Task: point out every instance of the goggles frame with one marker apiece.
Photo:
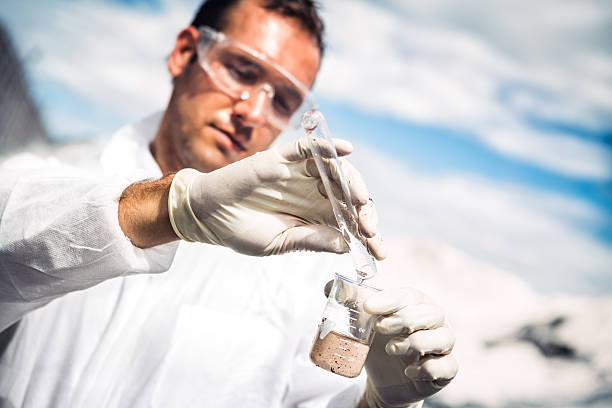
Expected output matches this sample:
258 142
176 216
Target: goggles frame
210 38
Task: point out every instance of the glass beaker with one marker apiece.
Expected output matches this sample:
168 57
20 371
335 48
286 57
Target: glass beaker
346 330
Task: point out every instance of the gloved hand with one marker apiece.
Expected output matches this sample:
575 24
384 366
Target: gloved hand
410 358
270 203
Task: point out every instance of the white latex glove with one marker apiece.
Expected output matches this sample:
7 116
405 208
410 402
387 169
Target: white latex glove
269 203
410 358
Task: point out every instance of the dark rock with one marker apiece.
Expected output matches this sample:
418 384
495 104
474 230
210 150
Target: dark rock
544 337
19 118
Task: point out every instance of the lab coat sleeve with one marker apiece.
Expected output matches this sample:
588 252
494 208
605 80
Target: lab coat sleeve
59 232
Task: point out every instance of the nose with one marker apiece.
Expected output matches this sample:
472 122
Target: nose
252 106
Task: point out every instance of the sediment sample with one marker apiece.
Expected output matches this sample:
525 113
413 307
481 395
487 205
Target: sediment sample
339 354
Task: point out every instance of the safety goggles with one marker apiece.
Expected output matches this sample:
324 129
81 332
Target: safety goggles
242 72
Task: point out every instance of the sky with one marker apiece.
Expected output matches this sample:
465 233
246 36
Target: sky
486 126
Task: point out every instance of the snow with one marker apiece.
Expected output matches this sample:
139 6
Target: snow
498 319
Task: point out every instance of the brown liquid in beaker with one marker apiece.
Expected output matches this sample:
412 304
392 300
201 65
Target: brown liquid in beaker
339 354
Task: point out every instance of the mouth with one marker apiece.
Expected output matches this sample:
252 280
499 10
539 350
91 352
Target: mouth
229 140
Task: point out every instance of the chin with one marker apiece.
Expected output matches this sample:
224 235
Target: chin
208 164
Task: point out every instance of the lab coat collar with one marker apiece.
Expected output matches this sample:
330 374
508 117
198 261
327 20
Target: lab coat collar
127 152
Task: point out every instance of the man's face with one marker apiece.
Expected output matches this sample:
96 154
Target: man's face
210 129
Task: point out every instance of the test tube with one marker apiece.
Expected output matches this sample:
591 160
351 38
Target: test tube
317 132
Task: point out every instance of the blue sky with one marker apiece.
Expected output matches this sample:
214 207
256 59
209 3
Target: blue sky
476 110
436 149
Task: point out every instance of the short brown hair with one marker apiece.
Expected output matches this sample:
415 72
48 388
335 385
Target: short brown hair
212 14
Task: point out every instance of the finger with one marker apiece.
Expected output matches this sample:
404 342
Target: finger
356 185
437 371
391 300
423 342
335 189
411 318
318 238
300 149
370 222
368 219
435 341
326 149
377 247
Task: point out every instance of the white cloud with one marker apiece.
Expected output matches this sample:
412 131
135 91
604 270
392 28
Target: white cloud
449 62
533 234
542 237
107 53
558 151
487 308
431 62
430 72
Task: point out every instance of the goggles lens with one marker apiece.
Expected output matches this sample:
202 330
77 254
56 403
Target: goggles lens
243 73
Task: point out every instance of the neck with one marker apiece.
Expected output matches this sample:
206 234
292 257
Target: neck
162 149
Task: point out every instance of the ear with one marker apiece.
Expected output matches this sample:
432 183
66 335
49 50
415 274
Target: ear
184 49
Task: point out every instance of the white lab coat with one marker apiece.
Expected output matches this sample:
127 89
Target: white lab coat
218 329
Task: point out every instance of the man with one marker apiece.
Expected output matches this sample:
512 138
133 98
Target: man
219 328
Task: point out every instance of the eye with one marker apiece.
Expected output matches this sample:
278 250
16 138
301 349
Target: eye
243 70
286 102
281 105
245 76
